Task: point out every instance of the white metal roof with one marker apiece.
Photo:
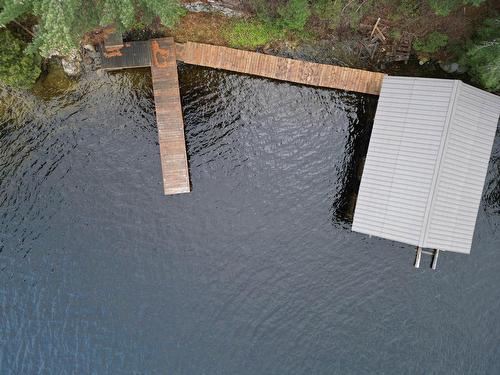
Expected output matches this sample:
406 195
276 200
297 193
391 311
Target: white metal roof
426 164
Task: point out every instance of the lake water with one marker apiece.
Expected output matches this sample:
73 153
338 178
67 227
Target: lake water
255 272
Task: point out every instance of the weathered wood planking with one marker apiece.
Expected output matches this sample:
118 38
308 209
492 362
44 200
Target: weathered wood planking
281 68
136 54
132 55
169 117
161 55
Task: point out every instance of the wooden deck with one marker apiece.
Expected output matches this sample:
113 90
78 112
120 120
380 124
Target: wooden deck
169 117
280 68
161 56
132 55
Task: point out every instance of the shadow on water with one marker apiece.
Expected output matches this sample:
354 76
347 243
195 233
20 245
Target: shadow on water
360 129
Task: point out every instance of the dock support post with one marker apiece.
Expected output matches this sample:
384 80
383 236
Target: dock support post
435 259
417 257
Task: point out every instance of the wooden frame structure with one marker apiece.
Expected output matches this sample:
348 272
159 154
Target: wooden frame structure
161 55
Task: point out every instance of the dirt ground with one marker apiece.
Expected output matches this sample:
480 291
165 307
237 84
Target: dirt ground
201 27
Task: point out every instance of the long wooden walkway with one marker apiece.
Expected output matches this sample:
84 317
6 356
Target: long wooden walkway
281 68
169 117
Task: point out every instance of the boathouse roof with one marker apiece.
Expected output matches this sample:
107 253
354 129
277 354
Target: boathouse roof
426 164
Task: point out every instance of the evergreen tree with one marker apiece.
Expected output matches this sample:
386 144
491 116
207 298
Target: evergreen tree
17 69
482 55
294 15
62 23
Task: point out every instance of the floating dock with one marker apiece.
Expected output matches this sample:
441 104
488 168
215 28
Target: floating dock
161 55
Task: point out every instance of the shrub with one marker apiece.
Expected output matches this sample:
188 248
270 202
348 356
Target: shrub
17 69
409 8
445 7
432 43
294 15
251 34
329 11
262 10
395 34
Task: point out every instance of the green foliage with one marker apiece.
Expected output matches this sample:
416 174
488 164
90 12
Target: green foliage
482 55
120 12
329 11
252 34
432 43
169 11
17 69
409 8
62 23
395 34
294 15
268 27
445 7
262 10
55 28
342 12
12 9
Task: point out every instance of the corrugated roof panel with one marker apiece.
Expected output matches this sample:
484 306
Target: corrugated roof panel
426 162
463 169
399 166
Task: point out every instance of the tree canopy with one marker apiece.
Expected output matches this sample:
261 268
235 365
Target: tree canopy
17 69
61 24
482 55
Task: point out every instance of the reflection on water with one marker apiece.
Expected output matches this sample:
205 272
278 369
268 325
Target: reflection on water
255 272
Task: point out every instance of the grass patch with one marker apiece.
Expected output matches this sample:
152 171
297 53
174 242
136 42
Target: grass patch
252 34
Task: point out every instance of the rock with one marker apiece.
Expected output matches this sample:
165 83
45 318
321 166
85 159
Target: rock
213 6
453 67
449 67
89 47
423 59
72 63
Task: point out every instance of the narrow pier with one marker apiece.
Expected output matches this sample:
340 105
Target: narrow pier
281 68
169 117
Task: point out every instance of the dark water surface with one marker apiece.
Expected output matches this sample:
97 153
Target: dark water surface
255 272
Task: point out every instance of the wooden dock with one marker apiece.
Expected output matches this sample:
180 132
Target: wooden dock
169 117
281 68
132 55
161 56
